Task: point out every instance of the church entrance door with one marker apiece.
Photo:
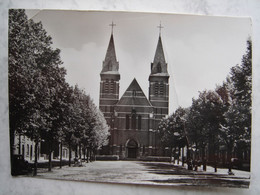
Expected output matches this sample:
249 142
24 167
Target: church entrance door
132 147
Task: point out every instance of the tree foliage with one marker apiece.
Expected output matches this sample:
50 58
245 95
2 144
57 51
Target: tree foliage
172 129
217 118
236 130
42 105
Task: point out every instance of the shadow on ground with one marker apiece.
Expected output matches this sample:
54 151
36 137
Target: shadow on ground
195 178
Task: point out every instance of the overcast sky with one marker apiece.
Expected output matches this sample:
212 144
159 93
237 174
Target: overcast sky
199 50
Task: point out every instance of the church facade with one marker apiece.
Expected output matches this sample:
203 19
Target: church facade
134 119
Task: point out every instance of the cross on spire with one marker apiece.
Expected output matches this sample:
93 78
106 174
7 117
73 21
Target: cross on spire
112 26
160 27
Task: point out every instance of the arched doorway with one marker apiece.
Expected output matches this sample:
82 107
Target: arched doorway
132 147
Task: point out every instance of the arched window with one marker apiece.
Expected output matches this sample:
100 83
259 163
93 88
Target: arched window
112 87
156 88
106 86
139 122
161 90
127 122
133 121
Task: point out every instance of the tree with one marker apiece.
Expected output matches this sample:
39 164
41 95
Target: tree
236 129
206 115
241 77
35 77
172 130
96 135
87 127
196 129
42 104
20 73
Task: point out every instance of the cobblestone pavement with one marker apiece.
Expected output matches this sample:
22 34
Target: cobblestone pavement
138 172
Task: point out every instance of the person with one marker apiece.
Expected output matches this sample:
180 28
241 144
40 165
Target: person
195 165
204 164
189 162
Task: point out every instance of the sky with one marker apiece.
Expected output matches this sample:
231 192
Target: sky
199 50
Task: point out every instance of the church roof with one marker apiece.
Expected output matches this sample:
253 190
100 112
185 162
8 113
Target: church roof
159 65
134 96
110 64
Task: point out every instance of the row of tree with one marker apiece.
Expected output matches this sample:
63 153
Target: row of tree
42 105
218 119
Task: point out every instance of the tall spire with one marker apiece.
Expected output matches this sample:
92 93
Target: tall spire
159 54
110 63
159 64
159 83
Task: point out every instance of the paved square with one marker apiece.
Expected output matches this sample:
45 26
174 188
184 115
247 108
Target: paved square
153 173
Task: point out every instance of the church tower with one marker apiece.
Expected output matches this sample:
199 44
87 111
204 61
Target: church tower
109 84
158 84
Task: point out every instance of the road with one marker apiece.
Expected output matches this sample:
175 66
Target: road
151 173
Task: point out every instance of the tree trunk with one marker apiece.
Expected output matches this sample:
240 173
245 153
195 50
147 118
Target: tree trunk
61 154
174 155
84 153
178 160
69 153
229 160
80 150
87 155
50 151
215 163
90 155
182 156
215 157
35 158
171 154
204 160
94 154
19 152
76 151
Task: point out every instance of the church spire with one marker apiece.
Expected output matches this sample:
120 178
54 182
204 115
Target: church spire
159 64
110 63
159 54
159 82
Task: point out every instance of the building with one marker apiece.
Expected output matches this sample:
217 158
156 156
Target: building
26 147
133 119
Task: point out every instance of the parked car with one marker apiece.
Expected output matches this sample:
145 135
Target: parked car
20 166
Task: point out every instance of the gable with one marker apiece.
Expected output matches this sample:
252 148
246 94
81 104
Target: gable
134 96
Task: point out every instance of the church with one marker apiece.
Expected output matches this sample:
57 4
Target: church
134 119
